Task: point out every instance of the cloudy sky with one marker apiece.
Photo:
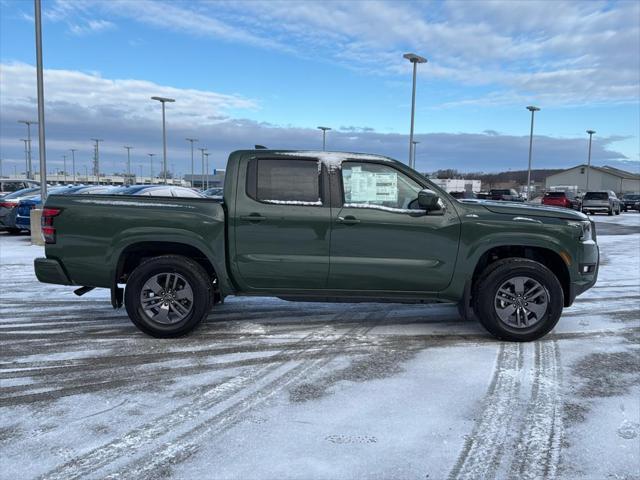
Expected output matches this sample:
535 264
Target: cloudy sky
270 72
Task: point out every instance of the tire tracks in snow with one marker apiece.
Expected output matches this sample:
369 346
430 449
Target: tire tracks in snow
537 454
506 444
483 449
144 436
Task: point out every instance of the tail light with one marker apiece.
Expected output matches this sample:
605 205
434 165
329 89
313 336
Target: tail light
48 230
7 205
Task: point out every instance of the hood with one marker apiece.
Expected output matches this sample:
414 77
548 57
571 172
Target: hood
509 208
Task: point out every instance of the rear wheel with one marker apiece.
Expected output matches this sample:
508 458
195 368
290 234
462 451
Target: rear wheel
518 299
13 231
168 296
610 212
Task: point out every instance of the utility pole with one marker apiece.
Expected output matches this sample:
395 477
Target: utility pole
206 162
590 132
64 166
415 60
191 140
533 110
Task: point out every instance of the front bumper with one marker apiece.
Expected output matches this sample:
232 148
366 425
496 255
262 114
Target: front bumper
49 270
581 282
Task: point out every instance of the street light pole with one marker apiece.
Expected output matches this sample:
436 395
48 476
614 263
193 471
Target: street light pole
191 140
28 123
26 157
151 167
533 110
73 163
202 150
164 100
42 150
96 158
590 132
413 160
64 166
415 60
128 163
206 163
324 136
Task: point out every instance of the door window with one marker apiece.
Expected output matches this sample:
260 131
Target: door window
377 186
294 182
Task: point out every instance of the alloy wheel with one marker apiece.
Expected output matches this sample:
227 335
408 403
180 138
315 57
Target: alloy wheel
166 298
521 302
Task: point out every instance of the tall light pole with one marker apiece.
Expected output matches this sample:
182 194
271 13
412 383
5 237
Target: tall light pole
128 163
191 140
28 123
415 60
64 166
164 100
413 160
590 132
324 137
73 163
140 167
26 156
151 167
42 150
202 150
96 158
206 163
533 110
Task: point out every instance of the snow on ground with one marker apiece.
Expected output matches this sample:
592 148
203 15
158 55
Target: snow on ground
271 389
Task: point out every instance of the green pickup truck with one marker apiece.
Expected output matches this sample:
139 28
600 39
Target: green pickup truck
321 226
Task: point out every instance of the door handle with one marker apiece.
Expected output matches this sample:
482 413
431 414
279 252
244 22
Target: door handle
348 220
253 218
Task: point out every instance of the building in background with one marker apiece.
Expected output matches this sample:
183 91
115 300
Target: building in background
600 178
214 180
457 184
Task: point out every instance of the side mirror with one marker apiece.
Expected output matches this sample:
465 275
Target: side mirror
428 200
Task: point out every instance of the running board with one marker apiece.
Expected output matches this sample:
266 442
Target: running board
82 290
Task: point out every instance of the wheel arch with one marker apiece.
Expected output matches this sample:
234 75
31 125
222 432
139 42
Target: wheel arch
546 256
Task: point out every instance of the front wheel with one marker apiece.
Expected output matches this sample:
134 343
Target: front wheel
168 296
518 299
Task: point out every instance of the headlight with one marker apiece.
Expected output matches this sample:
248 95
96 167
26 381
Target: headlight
585 230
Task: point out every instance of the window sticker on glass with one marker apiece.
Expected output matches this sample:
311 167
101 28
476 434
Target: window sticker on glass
373 187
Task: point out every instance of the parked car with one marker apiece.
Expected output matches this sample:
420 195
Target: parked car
328 226
630 201
8 205
561 199
10 186
463 195
215 192
601 202
505 195
157 191
23 210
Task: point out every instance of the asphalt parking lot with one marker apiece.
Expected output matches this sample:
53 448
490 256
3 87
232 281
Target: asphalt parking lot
270 389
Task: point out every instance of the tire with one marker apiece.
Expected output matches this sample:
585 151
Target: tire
610 212
14 231
486 299
180 316
618 211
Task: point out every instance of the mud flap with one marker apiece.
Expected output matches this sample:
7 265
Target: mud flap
117 296
464 306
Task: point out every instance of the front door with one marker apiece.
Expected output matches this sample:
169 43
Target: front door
282 225
380 240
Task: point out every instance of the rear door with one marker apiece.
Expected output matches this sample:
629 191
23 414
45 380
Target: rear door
381 240
282 224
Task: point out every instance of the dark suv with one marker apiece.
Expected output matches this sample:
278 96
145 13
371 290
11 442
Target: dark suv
630 201
561 199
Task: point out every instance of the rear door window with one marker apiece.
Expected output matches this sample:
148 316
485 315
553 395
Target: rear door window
295 182
596 196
